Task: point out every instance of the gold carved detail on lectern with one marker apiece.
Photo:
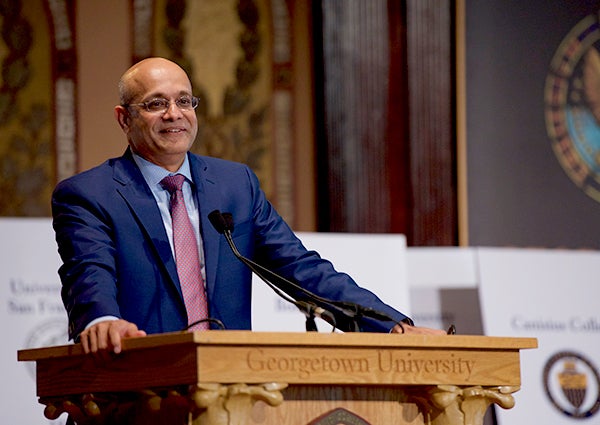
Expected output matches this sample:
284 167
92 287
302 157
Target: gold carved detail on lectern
231 404
450 404
206 404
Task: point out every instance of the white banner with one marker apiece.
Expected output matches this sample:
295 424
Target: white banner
376 262
443 284
552 295
32 313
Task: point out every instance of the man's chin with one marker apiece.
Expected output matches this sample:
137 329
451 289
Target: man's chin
177 145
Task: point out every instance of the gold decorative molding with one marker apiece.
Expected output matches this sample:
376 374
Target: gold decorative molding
222 404
232 404
200 404
451 404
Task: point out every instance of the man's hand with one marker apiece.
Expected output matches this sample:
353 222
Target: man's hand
107 335
405 328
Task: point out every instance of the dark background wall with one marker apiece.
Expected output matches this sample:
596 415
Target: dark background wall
519 195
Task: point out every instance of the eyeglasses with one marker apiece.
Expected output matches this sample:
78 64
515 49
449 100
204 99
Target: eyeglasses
160 105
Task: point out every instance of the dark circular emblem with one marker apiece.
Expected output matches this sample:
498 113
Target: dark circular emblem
572 384
572 105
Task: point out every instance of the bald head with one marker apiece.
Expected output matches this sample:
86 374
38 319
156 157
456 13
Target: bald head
147 71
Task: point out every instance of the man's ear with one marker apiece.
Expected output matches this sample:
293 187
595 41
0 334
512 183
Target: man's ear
122 116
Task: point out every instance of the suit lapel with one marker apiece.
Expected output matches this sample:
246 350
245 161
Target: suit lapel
132 187
209 199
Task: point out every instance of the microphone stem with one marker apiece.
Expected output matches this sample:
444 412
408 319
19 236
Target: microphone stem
350 311
306 308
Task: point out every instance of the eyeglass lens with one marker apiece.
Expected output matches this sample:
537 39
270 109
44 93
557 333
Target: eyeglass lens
161 105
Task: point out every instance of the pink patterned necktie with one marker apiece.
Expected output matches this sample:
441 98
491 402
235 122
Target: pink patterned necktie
186 254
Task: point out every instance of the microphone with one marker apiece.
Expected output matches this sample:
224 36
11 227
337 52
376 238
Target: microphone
314 306
223 223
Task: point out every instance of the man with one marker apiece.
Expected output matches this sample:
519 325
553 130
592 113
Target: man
115 233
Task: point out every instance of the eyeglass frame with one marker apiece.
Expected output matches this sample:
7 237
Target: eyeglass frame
194 104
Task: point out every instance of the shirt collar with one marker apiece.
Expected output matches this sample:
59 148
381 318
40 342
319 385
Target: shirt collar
153 173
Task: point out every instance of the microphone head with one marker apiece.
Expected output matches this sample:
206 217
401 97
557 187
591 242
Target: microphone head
218 221
228 217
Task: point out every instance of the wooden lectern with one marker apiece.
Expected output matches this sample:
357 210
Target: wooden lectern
252 378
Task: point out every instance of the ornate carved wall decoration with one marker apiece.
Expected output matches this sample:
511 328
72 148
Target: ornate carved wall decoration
37 103
37 87
237 53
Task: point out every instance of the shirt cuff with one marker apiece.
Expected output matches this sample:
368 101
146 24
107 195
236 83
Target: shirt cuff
100 319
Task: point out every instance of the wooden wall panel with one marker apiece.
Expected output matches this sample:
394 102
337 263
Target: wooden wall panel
355 101
432 129
387 134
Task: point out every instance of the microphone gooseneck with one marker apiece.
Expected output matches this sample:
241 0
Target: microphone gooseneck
311 304
209 320
223 223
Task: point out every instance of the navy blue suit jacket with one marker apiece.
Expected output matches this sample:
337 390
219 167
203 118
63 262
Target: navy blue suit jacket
117 259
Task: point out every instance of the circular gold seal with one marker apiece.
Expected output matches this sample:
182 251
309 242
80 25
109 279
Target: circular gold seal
572 384
572 105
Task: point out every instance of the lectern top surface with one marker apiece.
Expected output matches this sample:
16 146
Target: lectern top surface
315 339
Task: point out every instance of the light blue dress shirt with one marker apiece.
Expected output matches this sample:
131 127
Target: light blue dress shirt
153 174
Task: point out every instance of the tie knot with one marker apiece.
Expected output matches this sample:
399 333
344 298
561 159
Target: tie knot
173 183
